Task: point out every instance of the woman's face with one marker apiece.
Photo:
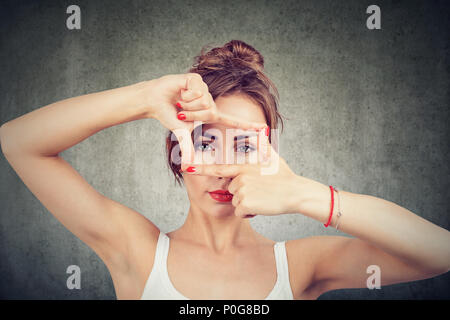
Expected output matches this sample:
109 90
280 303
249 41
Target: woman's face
219 144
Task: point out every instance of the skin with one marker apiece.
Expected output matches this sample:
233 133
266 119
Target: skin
218 224
213 240
215 254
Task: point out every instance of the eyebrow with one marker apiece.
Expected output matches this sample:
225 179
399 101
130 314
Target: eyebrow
239 137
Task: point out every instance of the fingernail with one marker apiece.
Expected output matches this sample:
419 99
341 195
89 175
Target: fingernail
267 131
178 105
249 216
181 116
190 169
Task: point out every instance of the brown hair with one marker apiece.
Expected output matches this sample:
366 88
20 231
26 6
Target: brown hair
234 68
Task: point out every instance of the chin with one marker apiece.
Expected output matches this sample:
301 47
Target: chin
218 209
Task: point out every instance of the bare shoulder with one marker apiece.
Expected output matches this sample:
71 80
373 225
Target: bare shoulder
303 255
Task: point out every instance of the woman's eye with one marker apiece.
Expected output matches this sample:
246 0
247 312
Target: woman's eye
245 148
204 147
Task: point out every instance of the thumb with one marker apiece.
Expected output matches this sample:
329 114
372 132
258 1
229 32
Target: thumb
187 82
269 157
217 170
191 90
194 81
183 136
190 95
264 145
236 122
242 212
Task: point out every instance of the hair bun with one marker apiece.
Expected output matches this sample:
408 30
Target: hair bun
235 54
234 68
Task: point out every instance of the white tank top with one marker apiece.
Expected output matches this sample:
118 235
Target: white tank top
159 286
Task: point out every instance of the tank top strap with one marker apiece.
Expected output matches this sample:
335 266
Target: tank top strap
283 269
162 250
281 259
161 255
159 286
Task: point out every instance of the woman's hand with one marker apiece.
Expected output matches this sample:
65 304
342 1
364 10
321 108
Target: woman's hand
162 95
267 188
197 104
192 94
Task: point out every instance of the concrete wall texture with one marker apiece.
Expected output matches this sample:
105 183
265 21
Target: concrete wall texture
368 112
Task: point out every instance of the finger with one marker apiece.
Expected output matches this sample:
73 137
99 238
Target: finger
269 155
263 145
194 82
201 115
272 154
236 122
234 185
271 161
200 103
216 170
267 151
235 201
189 95
188 81
186 145
241 211
187 151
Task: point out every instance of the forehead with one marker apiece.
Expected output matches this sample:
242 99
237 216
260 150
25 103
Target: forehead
240 106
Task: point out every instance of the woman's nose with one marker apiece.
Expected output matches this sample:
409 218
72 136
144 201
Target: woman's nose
228 155
224 178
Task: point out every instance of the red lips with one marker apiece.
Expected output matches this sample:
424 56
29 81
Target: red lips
221 195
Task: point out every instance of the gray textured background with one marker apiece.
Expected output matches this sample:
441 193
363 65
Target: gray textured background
368 110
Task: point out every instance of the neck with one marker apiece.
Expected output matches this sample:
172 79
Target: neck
218 233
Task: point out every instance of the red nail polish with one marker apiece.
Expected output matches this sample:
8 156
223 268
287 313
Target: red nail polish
181 116
190 169
249 216
267 131
178 105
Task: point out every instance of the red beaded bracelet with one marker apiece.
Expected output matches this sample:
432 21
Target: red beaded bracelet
332 207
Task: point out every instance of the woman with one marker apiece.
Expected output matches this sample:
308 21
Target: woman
216 254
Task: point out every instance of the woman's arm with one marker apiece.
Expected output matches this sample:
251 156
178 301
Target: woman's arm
405 246
31 144
52 129
123 238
